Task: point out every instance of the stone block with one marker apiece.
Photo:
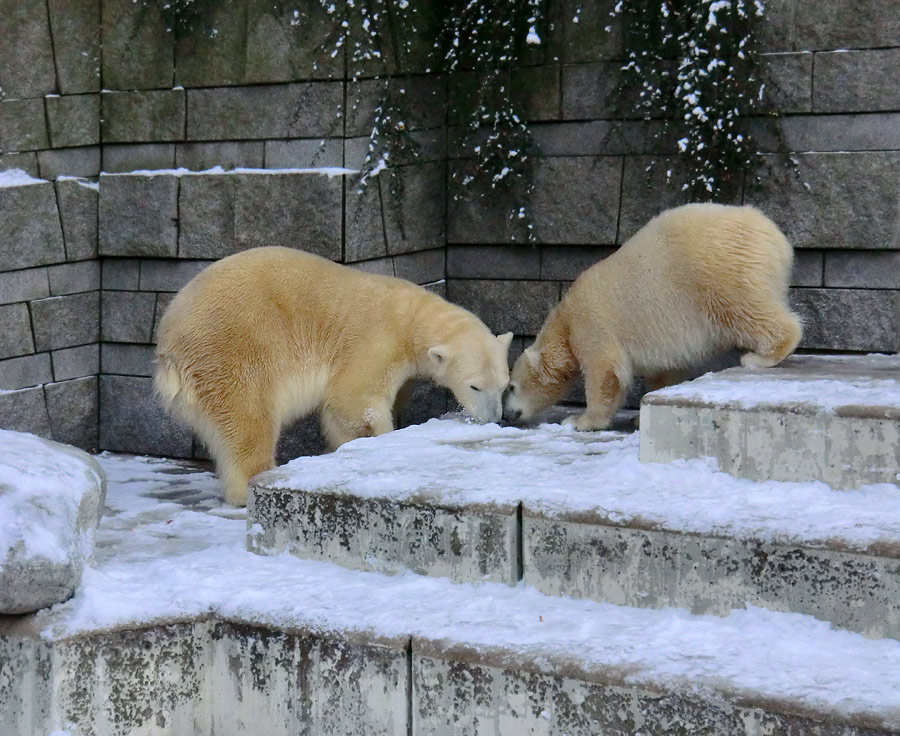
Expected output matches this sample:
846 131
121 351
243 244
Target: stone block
587 90
73 278
602 137
464 544
425 145
426 400
81 162
838 200
519 307
169 275
23 286
207 209
656 568
381 266
301 437
588 185
27 162
364 226
228 155
75 26
304 154
121 274
127 316
120 159
138 48
162 303
56 495
153 117
421 267
23 372
23 126
536 92
305 110
127 360
78 202
65 321
849 319
26 56
493 262
860 132
132 420
832 24
480 215
15 331
24 410
862 270
586 40
296 210
421 99
776 32
215 53
138 215
284 43
74 120
413 207
808 268
797 430
76 362
74 412
850 81
566 263
790 83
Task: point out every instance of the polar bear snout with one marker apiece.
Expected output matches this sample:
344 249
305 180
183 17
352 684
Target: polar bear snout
484 406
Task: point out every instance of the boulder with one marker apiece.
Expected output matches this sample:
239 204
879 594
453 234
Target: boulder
51 499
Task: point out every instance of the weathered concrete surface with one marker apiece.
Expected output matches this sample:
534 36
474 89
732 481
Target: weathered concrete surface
201 677
834 419
51 499
587 557
470 692
464 544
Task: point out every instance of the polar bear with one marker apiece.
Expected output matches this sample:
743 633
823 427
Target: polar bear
271 334
695 280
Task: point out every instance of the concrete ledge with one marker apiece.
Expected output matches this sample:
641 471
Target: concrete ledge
833 419
470 543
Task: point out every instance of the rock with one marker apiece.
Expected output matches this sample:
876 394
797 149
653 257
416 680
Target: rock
51 498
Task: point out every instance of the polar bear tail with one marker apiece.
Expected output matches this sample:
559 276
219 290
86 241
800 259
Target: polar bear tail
173 391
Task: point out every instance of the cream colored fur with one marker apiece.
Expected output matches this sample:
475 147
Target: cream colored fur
265 336
695 280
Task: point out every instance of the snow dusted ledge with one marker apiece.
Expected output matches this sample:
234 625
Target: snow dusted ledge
834 419
178 629
51 498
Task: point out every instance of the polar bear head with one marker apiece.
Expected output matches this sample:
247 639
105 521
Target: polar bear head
474 367
540 377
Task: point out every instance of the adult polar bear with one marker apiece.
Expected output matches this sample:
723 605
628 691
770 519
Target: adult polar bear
270 334
695 280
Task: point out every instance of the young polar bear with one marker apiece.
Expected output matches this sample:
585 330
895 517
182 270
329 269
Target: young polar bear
265 336
695 280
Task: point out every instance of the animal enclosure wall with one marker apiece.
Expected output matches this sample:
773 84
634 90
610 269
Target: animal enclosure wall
87 265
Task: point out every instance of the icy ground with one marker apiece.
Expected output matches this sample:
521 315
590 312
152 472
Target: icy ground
170 549
555 470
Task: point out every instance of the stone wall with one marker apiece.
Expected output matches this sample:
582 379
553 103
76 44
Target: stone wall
88 264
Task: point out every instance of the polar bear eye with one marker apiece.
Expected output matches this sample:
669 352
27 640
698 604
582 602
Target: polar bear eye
511 388
475 388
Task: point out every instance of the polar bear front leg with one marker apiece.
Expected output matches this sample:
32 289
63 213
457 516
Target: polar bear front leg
604 393
349 419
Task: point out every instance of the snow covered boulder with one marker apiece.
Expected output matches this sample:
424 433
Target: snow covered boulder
51 498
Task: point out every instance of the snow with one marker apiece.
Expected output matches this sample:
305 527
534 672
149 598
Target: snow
168 549
86 183
329 171
824 387
41 489
17 178
452 462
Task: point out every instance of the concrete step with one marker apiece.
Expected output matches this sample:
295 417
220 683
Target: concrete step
830 418
178 629
578 514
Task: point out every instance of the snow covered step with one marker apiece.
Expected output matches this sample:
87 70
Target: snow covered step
578 514
829 418
178 629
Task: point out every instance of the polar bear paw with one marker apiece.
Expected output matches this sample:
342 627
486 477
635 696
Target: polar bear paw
584 423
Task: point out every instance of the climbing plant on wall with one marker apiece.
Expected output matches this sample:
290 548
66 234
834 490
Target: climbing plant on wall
695 65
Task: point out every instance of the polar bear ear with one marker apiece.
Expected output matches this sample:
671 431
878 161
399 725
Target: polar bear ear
439 354
533 356
505 339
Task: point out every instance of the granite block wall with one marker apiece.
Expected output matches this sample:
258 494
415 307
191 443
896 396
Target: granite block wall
115 114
